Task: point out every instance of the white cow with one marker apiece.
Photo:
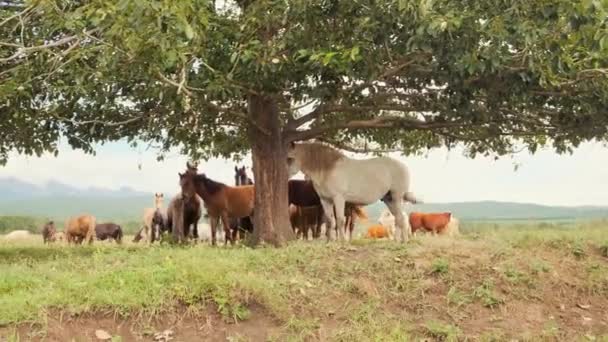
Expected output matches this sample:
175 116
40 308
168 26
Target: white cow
388 220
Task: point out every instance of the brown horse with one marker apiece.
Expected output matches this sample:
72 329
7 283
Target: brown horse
245 224
183 212
222 201
305 219
48 232
303 194
108 231
80 228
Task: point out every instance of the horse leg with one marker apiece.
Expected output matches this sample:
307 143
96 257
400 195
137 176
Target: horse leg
195 231
328 208
227 233
350 224
214 222
395 206
340 219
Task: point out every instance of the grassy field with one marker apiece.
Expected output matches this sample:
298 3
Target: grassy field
493 283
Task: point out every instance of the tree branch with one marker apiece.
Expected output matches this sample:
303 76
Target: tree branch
25 50
379 122
100 122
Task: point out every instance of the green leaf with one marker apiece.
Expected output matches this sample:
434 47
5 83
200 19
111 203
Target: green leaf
354 53
188 31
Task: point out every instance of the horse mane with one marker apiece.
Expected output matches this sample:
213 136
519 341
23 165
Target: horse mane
315 156
212 186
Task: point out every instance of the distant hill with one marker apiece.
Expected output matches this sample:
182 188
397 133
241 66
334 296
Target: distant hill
496 211
57 200
12 189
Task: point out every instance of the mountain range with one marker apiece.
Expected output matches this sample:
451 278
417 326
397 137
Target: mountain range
57 200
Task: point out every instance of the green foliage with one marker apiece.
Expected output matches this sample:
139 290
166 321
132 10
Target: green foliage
440 266
10 223
443 331
486 294
492 73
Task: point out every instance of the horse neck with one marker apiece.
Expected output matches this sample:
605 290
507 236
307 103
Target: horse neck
201 190
158 204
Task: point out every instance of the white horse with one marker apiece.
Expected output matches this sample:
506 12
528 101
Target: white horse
339 179
148 217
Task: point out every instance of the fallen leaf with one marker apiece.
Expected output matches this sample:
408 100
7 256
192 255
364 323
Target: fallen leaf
308 284
397 259
583 306
102 335
587 319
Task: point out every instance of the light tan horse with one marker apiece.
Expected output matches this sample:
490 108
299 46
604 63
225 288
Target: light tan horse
338 179
148 217
80 228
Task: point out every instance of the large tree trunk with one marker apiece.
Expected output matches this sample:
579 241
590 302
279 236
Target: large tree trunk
269 154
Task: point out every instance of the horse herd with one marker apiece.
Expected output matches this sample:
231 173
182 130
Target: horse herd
334 191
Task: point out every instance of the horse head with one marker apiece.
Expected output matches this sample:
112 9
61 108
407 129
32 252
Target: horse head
240 176
187 183
192 167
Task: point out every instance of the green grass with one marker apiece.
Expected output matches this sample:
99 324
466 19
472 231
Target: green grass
364 291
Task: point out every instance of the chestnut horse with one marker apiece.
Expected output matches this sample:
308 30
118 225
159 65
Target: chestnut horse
80 228
222 201
244 224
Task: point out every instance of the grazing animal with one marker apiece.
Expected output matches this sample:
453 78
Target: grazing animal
338 179
432 222
149 216
222 201
388 220
48 232
108 231
17 235
80 228
377 232
184 211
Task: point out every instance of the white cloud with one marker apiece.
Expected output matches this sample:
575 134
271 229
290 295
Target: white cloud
442 176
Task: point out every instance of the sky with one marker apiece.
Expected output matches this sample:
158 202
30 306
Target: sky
439 176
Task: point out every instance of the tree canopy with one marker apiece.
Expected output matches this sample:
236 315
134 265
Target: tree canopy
398 74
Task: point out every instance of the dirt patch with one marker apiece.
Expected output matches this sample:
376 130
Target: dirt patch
182 325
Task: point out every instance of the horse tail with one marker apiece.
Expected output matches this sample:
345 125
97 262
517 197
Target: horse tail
410 197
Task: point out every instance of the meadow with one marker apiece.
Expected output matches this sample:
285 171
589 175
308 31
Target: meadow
494 283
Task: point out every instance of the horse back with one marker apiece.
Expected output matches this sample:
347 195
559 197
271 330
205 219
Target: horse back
302 193
239 200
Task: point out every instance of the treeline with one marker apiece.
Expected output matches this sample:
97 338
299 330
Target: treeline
35 224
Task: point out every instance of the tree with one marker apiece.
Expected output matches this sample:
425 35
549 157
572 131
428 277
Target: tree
218 79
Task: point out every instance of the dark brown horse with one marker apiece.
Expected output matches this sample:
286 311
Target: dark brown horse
303 194
222 201
48 232
183 212
108 231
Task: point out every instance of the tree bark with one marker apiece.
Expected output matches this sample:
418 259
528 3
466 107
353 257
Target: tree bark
271 214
